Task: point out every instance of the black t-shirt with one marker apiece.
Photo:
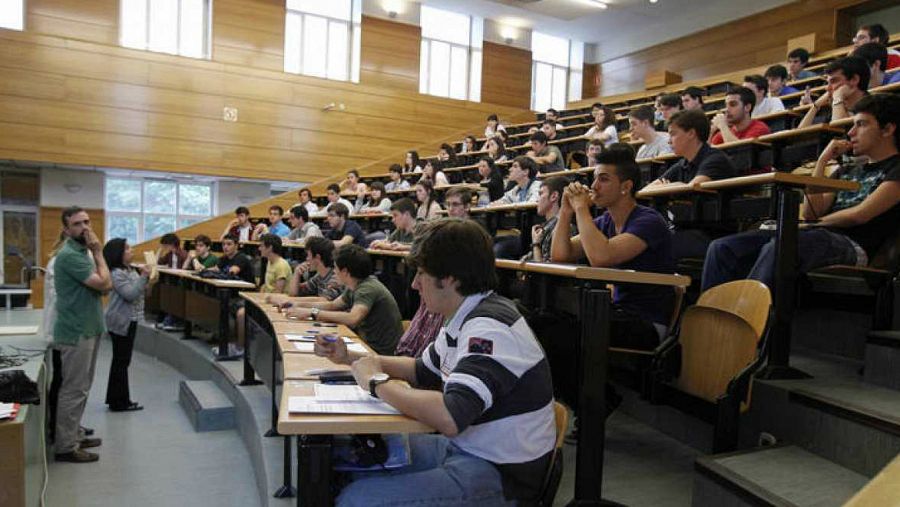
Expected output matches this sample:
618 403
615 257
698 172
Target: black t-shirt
352 229
872 234
241 261
709 162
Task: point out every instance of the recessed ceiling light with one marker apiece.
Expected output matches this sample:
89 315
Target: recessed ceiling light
598 3
653 1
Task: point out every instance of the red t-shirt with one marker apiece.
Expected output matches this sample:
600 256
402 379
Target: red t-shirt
755 129
893 59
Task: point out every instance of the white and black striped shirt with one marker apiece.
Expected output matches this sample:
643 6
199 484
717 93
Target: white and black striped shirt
497 387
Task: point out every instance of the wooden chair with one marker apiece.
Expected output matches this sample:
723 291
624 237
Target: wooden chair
554 471
718 348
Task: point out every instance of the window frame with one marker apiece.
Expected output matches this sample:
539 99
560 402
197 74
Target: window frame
207 31
471 85
352 25
143 213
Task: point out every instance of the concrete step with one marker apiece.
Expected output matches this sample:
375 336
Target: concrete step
772 476
883 359
208 408
846 420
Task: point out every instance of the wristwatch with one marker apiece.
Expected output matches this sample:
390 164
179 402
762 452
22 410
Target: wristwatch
375 381
314 313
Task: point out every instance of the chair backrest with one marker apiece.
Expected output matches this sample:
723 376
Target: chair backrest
748 299
554 471
888 255
720 336
676 310
715 347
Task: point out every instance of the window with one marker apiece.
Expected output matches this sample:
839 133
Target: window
450 64
12 14
556 71
322 39
178 27
139 210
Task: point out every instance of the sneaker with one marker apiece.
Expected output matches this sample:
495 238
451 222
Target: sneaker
130 407
90 442
175 328
77 456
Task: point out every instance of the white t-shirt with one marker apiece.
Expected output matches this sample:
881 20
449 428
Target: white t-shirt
767 106
659 146
610 131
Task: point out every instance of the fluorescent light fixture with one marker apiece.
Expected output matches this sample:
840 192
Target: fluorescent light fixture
598 3
393 7
508 33
653 1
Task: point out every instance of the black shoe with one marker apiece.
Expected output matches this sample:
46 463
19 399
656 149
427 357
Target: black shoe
77 456
131 407
87 431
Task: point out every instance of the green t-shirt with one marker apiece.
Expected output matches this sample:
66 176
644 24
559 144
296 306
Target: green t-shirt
382 327
275 271
79 312
210 261
398 235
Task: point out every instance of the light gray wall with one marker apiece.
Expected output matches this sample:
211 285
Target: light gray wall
55 194
232 194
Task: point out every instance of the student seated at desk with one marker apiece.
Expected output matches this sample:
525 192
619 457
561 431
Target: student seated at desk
604 127
240 226
688 132
427 206
491 179
522 174
796 62
366 306
351 183
275 226
777 76
322 286
691 98
301 226
876 56
306 201
412 163
594 148
552 115
278 272
764 105
547 157
667 105
877 33
736 122
548 207
484 385
493 127
549 128
170 255
851 225
333 194
496 149
432 172
640 119
343 230
848 80
459 202
233 261
375 203
626 236
201 257
403 214
397 182
447 156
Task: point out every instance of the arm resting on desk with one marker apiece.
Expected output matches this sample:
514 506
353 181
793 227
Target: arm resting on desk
601 251
422 405
885 197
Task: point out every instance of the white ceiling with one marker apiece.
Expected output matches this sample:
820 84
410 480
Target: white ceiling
626 26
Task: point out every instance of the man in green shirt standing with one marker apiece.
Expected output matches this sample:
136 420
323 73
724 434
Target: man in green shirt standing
80 281
366 306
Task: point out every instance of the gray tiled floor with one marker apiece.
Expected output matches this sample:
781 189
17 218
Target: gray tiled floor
153 457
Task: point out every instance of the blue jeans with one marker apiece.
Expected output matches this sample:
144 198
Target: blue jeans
752 255
439 474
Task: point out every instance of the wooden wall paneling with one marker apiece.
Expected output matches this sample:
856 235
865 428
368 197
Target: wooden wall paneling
249 33
389 54
759 39
95 20
506 75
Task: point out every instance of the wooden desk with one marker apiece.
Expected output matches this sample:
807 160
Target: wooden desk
203 300
819 133
784 191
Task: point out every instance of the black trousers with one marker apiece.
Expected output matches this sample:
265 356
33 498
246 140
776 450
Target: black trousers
117 392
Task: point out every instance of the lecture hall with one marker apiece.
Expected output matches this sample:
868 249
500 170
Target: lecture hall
449 253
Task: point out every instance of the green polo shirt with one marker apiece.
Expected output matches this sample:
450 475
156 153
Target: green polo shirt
79 311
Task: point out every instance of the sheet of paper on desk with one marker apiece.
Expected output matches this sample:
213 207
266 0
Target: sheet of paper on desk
310 405
339 392
305 346
234 283
356 347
